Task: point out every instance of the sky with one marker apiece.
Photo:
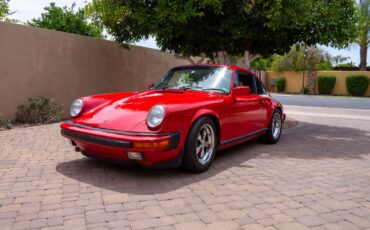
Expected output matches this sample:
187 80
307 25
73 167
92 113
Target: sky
26 10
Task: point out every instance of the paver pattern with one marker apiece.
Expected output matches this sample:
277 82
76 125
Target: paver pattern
317 177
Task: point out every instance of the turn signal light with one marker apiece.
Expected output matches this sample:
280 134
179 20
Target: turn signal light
151 144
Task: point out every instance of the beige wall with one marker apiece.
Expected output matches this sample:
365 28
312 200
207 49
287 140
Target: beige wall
340 87
294 80
38 62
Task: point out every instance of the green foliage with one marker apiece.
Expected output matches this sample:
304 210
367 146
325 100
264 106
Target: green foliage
301 59
306 90
4 123
262 63
326 84
348 64
39 110
195 27
363 27
280 84
5 11
67 20
324 65
357 85
2 120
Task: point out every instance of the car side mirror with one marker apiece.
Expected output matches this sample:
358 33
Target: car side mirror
150 86
242 91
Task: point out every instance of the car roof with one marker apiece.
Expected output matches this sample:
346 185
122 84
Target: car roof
233 67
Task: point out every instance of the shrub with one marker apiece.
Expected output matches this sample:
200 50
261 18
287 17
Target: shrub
40 110
306 90
2 120
280 84
4 123
357 84
326 84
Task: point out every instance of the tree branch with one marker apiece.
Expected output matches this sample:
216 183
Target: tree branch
189 59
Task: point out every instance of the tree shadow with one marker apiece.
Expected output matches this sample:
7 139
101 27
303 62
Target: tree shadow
305 141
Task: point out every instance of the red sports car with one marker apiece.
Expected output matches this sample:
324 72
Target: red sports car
187 116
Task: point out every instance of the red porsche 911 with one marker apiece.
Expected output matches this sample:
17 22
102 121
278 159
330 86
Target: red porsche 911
182 120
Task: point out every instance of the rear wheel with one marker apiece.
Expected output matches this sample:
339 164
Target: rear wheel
201 145
275 128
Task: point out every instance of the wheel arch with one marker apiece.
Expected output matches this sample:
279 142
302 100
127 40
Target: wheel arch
214 117
279 108
270 112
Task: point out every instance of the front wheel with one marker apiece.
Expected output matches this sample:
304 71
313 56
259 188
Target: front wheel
275 128
201 146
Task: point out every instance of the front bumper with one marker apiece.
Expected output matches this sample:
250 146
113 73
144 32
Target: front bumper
114 144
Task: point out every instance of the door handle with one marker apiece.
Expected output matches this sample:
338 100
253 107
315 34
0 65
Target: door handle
261 102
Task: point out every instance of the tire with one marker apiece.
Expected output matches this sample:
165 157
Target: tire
201 146
275 128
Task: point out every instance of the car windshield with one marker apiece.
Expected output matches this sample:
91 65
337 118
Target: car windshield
205 78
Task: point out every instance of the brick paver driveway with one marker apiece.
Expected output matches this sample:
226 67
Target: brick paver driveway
317 177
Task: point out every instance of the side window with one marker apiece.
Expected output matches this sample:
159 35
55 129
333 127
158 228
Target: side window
261 88
236 80
246 79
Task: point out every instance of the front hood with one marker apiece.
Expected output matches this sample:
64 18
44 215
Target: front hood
126 113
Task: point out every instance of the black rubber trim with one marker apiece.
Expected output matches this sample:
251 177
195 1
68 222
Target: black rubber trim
244 136
118 131
174 140
172 163
95 139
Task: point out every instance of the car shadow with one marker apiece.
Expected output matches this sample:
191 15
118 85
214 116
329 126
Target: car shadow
305 141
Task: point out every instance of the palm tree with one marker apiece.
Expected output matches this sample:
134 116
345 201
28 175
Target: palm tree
364 28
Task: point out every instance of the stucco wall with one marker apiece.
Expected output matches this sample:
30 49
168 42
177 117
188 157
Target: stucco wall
38 62
294 80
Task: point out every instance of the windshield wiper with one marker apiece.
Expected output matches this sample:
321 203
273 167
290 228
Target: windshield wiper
166 87
215 89
190 87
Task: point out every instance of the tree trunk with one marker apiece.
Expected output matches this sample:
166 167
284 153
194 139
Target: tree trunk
363 56
311 81
191 60
246 60
224 58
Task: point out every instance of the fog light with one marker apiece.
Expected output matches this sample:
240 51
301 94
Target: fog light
135 156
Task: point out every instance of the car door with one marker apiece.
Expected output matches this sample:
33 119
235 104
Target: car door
245 115
265 102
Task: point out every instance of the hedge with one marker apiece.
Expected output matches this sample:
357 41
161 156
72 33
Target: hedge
326 84
357 85
280 84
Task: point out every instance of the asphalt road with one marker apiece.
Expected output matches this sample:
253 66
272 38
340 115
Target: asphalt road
323 101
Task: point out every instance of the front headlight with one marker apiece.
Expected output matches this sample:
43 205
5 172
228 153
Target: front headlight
76 107
155 116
